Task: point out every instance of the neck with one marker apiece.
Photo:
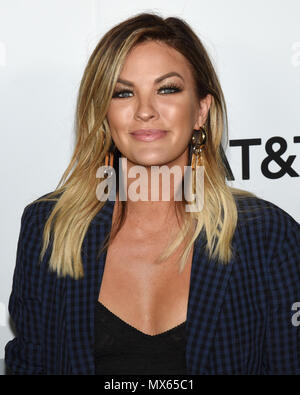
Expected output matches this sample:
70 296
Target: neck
150 195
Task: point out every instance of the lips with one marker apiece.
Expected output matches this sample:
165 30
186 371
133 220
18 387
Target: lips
148 134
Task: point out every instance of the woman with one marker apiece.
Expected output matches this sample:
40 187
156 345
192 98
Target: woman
147 286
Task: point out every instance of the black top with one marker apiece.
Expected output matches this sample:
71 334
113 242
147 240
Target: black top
122 349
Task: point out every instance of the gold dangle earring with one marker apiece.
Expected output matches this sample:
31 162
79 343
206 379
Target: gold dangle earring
109 163
198 144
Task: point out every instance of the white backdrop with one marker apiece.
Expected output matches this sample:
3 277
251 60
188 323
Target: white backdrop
44 47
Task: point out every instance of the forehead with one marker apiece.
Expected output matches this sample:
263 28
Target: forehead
152 58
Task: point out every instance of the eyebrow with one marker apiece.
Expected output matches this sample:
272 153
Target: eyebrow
159 79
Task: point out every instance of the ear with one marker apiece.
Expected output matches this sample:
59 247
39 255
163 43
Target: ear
204 106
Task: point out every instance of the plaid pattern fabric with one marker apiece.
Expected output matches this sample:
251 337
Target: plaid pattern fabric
239 318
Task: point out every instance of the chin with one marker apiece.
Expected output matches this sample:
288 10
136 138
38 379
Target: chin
152 162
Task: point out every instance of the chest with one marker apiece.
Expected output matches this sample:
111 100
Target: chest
150 296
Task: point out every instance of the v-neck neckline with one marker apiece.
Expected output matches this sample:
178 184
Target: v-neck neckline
119 320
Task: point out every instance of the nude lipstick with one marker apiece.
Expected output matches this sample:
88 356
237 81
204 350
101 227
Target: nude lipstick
148 134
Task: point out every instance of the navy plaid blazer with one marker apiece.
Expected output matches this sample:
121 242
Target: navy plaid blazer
242 317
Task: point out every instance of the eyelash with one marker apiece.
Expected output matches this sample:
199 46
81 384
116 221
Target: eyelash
169 86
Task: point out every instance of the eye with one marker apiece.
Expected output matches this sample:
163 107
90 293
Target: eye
123 92
168 89
171 88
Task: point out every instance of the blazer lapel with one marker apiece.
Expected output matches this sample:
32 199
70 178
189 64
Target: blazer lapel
82 295
207 289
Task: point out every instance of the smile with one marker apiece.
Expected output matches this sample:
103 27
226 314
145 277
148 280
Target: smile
148 135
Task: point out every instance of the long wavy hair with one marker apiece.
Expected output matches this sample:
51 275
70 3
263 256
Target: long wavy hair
75 196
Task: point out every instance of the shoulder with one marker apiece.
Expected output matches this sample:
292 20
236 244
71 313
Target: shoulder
39 210
265 224
253 208
33 220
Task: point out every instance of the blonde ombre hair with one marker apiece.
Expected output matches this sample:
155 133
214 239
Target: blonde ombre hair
75 196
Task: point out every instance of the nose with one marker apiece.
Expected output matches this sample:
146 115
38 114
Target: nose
145 110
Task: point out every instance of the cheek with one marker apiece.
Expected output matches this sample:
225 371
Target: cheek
119 117
179 112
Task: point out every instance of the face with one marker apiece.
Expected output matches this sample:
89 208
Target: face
155 91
